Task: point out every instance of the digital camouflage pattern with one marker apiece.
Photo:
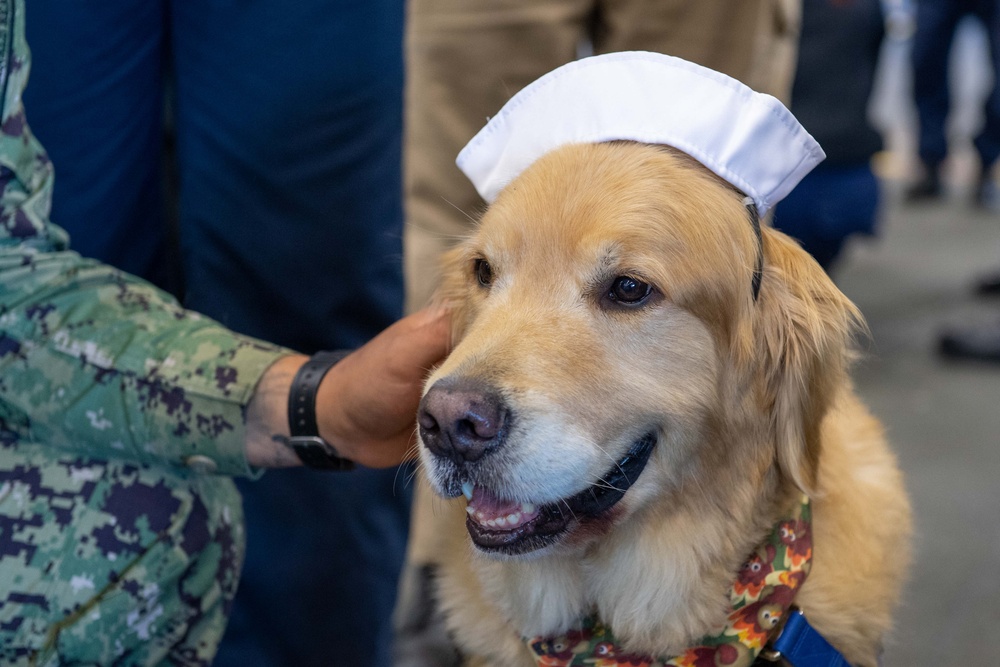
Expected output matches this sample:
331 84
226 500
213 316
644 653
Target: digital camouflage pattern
118 544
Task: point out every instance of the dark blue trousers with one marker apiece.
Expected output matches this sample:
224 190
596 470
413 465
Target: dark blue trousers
286 118
832 203
936 24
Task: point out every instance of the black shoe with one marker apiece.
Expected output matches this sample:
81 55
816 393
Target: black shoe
988 285
987 194
980 343
928 187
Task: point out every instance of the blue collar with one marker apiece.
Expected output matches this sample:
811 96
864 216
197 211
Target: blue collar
799 645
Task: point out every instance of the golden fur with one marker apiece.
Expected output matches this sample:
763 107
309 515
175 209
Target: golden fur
751 402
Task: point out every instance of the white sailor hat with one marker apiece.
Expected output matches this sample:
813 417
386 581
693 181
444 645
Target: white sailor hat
749 139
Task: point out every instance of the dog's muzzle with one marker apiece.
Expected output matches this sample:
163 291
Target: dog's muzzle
461 422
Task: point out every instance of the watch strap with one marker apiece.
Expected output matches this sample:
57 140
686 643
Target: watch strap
312 450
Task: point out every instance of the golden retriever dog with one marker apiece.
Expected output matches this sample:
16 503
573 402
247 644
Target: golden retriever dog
623 421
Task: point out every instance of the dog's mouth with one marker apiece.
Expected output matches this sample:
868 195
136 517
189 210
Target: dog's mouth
511 528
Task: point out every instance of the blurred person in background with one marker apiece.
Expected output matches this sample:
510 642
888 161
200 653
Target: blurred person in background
286 119
838 57
980 341
936 22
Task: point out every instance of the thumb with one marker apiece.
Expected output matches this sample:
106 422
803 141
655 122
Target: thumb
423 338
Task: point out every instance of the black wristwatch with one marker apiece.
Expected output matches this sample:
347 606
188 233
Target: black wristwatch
312 450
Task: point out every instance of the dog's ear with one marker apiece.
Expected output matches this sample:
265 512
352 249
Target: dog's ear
453 289
804 328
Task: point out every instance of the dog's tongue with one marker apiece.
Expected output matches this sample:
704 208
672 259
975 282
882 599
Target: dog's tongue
485 502
493 512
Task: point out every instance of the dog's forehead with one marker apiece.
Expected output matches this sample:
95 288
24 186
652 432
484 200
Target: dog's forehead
604 202
543 244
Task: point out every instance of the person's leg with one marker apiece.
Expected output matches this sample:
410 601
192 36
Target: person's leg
109 563
465 60
936 22
289 138
988 140
753 41
289 123
96 102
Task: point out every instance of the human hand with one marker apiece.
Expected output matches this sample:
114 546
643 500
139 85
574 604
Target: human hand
367 404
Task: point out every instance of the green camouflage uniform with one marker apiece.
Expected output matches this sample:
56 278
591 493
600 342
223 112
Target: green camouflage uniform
121 416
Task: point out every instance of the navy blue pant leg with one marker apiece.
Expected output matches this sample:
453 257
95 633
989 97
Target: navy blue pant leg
936 23
987 142
832 203
289 123
95 100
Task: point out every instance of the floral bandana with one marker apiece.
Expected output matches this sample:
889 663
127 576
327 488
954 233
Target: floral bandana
761 595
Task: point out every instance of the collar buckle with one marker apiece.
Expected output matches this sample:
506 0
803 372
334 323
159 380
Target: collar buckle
800 645
770 655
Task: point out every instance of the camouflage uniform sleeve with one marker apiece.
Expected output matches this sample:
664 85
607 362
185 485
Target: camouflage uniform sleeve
104 560
93 361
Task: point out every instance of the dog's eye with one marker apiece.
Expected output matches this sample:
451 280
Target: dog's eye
484 272
629 291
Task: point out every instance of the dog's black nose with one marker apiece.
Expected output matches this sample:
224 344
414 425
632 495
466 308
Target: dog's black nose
462 419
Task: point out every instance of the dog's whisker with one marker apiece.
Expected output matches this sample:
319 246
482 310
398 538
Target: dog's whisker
414 449
564 502
460 210
411 454
443 236
407 476
602 484
408 481
410 473
597 445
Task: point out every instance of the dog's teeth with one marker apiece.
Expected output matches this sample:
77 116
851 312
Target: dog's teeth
501 521
513 519
469 510
467 488
527 508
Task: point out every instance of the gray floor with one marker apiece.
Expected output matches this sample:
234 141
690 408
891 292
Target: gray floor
942 418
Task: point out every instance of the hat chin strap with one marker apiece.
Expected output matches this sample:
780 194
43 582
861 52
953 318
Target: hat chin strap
758 272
